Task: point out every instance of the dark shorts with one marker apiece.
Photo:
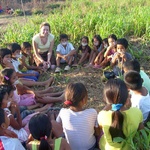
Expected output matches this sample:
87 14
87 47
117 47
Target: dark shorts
53 58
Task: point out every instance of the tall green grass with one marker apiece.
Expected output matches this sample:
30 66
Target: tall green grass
87 17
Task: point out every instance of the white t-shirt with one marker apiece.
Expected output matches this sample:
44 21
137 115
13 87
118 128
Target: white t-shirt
141 102
16 64
43 47
78 127
11 143
64 51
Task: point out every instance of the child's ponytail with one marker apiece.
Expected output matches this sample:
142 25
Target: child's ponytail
117 122
116 94
44 144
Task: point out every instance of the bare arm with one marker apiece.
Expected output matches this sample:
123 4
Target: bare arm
16 123
71 53
29 67
49 55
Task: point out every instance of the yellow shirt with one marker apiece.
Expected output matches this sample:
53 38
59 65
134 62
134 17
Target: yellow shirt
43 47
132 118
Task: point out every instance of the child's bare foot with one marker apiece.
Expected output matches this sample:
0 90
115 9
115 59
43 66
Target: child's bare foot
62 97
49 82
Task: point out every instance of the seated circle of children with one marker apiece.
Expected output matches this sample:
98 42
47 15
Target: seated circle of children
116 120
7 143
40 127
77 122
140 97
65 53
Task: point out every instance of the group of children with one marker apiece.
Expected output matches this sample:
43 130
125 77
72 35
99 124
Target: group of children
26 115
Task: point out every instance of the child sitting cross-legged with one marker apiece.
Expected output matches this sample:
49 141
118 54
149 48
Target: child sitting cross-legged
78 123
64 53
140 97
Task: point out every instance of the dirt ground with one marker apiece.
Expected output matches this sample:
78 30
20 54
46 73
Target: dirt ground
92 78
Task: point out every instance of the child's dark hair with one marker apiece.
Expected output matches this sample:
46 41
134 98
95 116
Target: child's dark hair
85 37
105 40
74 93
2 116
132 65
3 53
123 42
63 36
98 37
5 75
113 36
13 47
133 80
40 127
3 92
25 45
116 92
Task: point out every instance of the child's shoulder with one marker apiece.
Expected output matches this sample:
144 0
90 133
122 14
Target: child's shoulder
91 110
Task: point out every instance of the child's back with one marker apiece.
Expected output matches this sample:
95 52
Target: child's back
115 119
79 124
139 95
132 118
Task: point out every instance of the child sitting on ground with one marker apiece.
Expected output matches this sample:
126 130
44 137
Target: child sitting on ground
27 59
135 66
41 129
111 50
84 50
76 120
64 53
100 56
115 119
6 61
7 143
25 96
140 97
15 124
120 57
97 47
19 65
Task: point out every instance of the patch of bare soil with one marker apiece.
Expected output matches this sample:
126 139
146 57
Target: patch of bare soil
91 78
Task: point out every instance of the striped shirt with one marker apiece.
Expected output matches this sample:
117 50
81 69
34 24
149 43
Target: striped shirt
78 127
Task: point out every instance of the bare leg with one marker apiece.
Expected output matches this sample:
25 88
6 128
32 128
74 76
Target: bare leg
33 106
57 94
93 58
48 100
58 61
42 109
49 89
83 58
57 129
33 83
70 60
